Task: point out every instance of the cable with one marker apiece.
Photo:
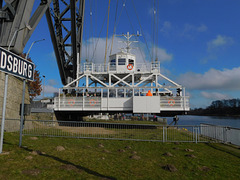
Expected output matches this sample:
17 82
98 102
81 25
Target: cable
157 24
105 58
124 4
114 30
133 31
141 29
98 37
91 26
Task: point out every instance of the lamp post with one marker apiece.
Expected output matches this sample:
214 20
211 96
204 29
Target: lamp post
43 85
23 96
32 45
15 33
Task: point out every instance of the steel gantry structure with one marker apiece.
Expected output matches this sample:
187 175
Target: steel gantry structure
65 22
122 85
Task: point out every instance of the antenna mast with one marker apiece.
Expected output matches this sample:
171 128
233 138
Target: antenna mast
128 42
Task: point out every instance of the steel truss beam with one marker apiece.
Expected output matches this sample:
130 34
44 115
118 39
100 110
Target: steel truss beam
65 26
15 15
126 81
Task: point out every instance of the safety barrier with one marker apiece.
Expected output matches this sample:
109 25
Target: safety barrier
100 68
114 131
117 97
221 133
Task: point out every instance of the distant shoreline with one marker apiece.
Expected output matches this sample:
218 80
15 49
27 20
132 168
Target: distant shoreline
219 115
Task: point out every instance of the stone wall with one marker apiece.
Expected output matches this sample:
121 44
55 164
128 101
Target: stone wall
14 99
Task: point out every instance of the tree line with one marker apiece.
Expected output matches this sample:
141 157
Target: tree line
230 107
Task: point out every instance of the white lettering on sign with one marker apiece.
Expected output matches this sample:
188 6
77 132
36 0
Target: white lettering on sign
9 66
16 65
24 69
3 60
29 71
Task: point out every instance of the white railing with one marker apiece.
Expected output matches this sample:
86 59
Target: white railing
221 133
83 102
126 131
98 68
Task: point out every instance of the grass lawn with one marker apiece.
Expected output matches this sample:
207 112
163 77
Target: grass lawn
43 158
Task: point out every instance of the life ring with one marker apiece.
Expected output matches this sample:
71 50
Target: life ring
92 102
71 102
171 102
130 67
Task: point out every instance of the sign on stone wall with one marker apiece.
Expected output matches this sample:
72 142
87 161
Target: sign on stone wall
15 65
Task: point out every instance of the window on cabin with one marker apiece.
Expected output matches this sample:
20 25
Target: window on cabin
130 61
113 62
121 61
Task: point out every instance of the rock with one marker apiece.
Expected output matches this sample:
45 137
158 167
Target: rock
5 153
70 167
170 167
190 155
100 145
168 154
134 152
121 150
37 152
204 168
34 153
177 143
106 151
29 158
128 147
33 172
135 157
189 150
34 138
60 148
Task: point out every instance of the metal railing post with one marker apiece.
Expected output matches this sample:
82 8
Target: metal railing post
22 113
3 112
163 134
196 135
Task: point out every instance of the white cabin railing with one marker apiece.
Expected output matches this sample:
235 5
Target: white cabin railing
100 68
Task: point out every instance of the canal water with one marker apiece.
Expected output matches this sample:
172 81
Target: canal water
216 120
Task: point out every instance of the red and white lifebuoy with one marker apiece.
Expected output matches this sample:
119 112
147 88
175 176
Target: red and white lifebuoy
130 67
71 102
92 102
171 102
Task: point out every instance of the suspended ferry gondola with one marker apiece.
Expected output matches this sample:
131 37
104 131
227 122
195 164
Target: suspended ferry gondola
121 86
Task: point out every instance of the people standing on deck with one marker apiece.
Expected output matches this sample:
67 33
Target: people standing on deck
149 93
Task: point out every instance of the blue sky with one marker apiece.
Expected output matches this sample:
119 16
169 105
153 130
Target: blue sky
198 43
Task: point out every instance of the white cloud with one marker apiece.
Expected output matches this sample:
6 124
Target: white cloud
50 89
163 55
52 82
191 30
215 95
97 53
227 79
167 26
219 42
202 28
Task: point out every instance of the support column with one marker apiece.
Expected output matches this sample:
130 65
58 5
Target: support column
110 80
87 82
